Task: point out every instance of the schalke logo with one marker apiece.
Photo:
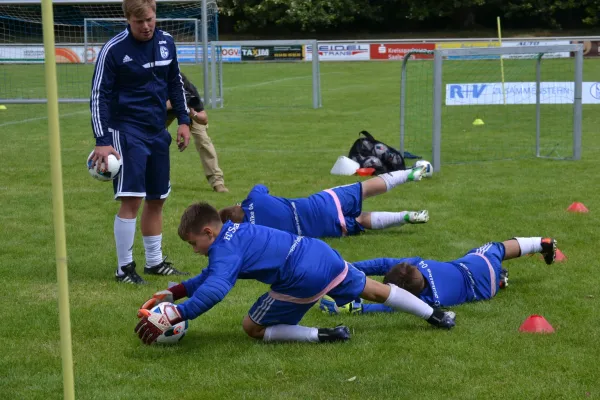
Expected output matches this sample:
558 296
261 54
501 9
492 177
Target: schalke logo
595 90
164 52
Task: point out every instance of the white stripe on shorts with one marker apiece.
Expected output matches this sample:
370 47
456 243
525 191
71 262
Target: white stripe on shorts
261 311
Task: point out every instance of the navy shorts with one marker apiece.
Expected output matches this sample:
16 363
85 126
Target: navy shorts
350 198
484 264
146 165
268 311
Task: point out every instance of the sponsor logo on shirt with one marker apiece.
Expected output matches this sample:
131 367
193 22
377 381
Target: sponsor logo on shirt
252 218
230 231
294 245
126 59
425 266
296 219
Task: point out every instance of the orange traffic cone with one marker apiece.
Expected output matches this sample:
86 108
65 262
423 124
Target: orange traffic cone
578 208
536 324
559 257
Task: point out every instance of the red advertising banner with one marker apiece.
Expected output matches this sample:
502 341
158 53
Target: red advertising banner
397 51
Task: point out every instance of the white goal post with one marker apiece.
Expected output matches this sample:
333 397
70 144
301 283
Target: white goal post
81 29
539 108
216 65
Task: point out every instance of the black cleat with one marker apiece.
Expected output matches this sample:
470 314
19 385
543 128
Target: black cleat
503 278
164 268
442 319
129 275
548 250
340 333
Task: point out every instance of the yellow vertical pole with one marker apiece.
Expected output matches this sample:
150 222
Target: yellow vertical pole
501 59
66 350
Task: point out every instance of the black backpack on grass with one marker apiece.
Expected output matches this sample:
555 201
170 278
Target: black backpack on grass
371 153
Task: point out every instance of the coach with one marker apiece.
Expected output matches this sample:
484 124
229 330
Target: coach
136 72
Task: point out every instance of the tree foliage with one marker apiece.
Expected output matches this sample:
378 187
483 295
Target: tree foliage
401 15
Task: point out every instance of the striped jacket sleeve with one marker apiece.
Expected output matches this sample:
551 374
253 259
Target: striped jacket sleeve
102 88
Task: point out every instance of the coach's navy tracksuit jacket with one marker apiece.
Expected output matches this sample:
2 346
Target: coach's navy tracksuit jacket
132 82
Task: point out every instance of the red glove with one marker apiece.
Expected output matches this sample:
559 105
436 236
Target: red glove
152 325
170 295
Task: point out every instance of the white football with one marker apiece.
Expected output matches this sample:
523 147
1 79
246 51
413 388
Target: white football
171 336
428 169
111 172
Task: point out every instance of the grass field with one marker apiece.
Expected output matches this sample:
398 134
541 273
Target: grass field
280 141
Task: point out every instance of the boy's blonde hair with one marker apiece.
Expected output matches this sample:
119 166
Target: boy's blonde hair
137 7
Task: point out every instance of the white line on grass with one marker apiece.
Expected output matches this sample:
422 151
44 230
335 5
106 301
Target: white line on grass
24 121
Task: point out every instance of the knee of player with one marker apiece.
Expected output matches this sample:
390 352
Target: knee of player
252 329
407 277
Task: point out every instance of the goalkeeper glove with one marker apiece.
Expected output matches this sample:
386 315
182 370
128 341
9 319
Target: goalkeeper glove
152 325
328 306
170 296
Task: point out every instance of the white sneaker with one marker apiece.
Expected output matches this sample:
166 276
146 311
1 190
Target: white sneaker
417 217
417 173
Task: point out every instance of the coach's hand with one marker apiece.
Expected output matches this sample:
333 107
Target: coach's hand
101 154
152 325
183 136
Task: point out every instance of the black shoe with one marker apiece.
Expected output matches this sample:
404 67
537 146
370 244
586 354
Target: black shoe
129 275
503 278
548 250
164 268
340 333
442 319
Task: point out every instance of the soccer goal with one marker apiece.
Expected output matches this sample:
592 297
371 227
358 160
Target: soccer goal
81 28
266 74
498 103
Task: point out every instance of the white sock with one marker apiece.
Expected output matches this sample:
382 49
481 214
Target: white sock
382 220
124 234
403 300
153 247
291 333
530 245
395 178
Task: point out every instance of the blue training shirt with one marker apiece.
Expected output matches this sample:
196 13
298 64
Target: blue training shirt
449 283
131 85
287 262
315 216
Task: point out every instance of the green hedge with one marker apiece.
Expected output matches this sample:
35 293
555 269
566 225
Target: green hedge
320 16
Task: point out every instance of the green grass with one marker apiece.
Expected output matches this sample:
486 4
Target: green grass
281 142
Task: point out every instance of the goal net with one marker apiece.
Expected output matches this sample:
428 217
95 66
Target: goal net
267 74
81 28
483 104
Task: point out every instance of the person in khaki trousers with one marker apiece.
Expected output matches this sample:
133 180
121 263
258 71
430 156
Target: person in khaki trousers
198 129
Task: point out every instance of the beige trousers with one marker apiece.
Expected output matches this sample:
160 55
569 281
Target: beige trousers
207 152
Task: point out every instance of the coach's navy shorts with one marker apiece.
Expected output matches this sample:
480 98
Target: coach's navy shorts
146 165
